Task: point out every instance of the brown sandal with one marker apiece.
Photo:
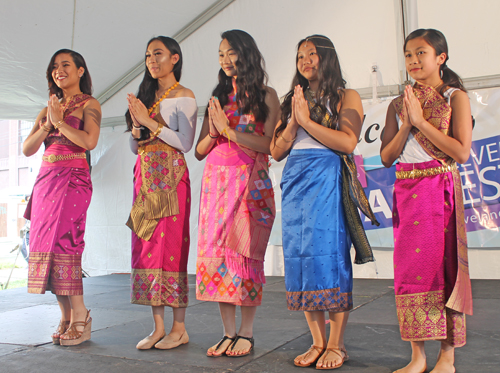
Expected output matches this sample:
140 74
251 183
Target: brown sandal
305 355
337 351
75 337
61 329
346 357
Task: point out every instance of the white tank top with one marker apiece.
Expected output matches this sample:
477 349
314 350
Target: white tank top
413 151
304 141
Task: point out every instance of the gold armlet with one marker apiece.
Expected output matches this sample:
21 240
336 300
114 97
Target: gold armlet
158 130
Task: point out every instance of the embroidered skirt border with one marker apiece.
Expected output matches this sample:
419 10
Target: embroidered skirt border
154 287
331 300
424 317
59 273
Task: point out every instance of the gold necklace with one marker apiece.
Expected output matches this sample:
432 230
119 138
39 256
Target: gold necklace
439 84
162 98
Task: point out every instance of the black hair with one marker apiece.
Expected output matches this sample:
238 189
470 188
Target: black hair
331 82
252 76
437 41
149 85
85 80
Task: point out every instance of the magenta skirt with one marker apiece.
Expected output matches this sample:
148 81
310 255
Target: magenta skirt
58 213
425 256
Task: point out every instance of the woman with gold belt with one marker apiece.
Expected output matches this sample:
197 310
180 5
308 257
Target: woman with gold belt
68 126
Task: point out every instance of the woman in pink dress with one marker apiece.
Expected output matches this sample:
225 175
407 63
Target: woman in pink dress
68 126
237 199
162 121
428 130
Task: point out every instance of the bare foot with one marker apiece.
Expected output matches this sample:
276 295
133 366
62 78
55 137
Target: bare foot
419 366
215 351
242 346
333 357
309 357
443 366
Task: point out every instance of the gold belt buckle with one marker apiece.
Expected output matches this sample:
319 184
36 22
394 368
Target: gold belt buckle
51 158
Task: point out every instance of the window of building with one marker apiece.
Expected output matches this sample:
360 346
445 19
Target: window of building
4 139
24 129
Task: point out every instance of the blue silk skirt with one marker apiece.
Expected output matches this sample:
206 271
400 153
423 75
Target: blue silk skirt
316 243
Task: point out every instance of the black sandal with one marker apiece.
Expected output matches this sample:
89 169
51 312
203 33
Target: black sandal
252 343
225 338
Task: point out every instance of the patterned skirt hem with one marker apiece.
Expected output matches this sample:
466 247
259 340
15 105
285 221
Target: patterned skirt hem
244 303
331 300
155 287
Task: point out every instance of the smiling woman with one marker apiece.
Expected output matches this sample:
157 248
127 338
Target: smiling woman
237 201
68 126
162 120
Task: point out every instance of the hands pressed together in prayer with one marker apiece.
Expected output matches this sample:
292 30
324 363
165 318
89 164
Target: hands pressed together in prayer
217 120
54 111
300 108
139 113
413 114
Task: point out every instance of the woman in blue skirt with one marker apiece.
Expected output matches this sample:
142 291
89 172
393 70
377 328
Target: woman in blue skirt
321 120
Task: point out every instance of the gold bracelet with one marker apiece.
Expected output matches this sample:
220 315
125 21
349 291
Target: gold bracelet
59 124
158 130
285 140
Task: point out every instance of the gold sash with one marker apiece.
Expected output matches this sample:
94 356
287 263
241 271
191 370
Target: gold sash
162 168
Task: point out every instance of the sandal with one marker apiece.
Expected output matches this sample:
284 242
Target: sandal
225 338
61 329
346 357
238 337
337 351
305 355
75 337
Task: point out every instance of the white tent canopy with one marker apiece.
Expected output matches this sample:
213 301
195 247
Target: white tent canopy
112 37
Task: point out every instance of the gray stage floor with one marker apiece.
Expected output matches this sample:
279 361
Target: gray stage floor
372 337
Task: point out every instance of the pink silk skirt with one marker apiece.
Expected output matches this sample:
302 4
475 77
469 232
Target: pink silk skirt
425 256
58 213
225 179
159 266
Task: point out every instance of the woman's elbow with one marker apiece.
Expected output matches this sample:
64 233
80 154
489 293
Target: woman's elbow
385 160
462 157
387 164
90 145
27 152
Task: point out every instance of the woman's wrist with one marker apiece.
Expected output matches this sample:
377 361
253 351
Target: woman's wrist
58 124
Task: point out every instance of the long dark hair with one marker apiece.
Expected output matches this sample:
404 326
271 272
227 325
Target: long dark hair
149 85
85 80
331 82
252 76
437 41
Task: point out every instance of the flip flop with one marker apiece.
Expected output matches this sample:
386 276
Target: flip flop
252 343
